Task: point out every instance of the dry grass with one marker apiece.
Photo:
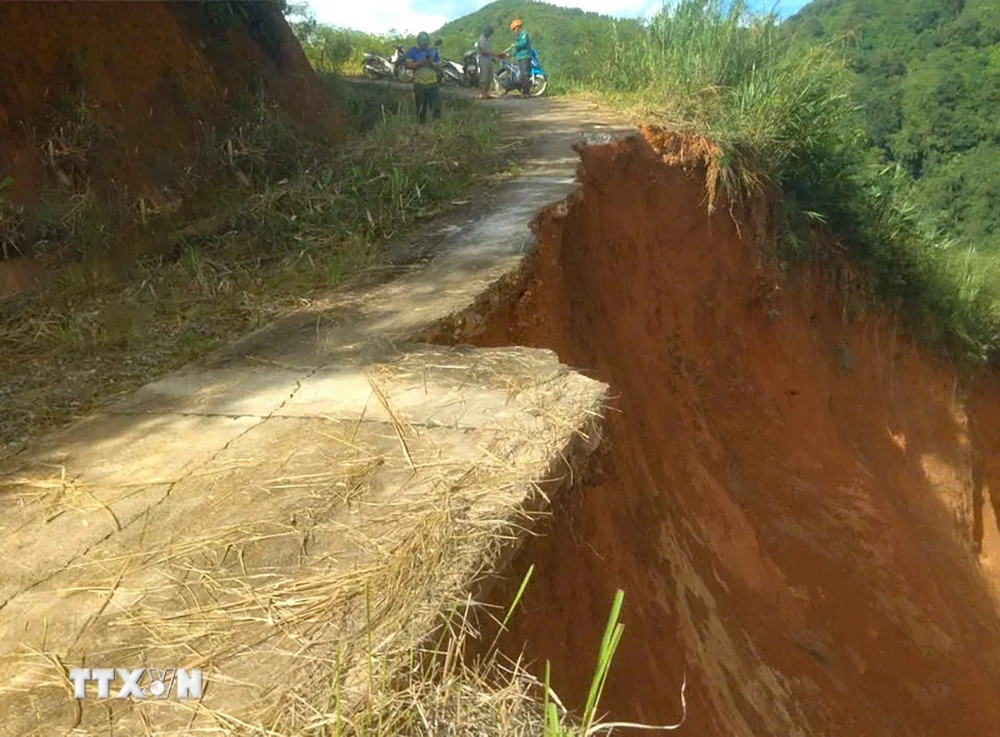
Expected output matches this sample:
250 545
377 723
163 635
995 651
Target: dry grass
356 682
359 626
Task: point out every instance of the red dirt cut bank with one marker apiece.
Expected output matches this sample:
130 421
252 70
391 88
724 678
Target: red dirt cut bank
791 494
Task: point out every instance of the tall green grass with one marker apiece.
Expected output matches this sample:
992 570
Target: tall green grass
780 111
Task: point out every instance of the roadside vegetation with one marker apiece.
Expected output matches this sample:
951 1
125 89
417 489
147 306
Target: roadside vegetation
928 75
780 114
284 219
331 49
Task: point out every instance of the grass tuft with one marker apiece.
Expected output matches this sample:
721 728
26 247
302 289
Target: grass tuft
444 694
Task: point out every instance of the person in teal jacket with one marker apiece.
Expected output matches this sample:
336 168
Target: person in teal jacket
522 54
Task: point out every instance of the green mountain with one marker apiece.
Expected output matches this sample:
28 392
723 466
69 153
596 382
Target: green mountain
572 44
929 85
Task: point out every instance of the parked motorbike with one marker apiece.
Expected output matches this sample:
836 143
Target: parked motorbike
399 70
470 66
471 71
377 66
508 76
453 73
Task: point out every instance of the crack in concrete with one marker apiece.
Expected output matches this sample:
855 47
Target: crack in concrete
145 512
545 381
328 418
555 374
353 421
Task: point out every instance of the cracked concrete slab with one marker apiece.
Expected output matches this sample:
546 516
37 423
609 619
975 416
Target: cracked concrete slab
431 387
42 531
232 392
295 514
265 509
110 451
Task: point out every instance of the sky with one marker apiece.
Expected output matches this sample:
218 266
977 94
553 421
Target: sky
410 16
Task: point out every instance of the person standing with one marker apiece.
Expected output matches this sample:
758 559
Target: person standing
522 54
425 62
486 56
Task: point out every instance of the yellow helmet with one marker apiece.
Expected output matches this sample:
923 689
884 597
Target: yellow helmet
515 24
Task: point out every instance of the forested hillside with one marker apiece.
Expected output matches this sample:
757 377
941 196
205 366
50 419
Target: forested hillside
930 89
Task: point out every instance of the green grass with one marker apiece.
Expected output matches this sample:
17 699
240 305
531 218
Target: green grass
289 220
558 725
780 112
365 105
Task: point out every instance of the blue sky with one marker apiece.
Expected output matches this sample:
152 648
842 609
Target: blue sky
379 16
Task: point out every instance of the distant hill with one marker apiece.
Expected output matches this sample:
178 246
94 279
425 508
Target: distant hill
930 88
571 43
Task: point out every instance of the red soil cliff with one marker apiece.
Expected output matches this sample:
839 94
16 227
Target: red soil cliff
792 494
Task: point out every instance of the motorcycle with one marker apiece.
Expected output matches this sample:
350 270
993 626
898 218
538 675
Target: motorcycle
453 73
470 66
399 70
508 76
377 66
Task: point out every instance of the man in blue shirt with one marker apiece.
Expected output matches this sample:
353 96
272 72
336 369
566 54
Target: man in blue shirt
425 62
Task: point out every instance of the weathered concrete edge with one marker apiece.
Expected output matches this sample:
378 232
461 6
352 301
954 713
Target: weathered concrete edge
561 474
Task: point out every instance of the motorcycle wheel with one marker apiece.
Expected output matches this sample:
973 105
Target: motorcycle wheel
538 85
449 80
500 83
371 73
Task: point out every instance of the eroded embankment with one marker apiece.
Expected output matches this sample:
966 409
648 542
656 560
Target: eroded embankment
791 495
123 97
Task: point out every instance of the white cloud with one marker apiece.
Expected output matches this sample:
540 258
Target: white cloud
379 16
376 16
617 8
